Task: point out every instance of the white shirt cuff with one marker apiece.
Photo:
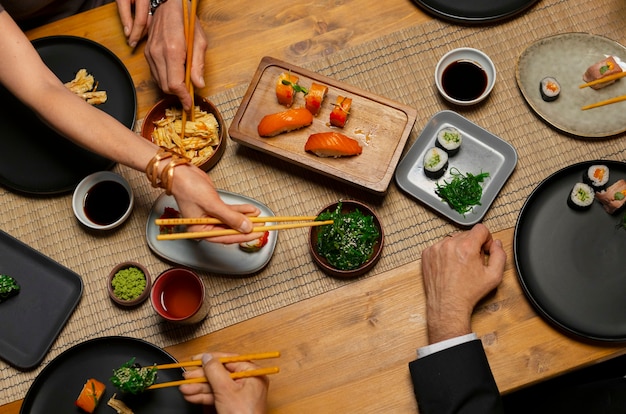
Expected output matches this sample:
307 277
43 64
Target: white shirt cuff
448 343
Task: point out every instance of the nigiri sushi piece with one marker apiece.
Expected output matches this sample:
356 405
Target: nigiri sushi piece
289 120
332 144
314 98
614 197
598 70
285 90
339 114
90 395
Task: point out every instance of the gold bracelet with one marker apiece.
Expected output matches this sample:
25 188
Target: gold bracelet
152 169
167 175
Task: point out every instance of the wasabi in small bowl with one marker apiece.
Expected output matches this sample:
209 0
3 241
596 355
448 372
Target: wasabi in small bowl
129 284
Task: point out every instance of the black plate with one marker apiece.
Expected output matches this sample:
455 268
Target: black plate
474 11
34 158
57 386
31 321
571 264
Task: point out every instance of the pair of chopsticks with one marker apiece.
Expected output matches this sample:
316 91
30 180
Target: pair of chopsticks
226 232
189 20
224 360
609 78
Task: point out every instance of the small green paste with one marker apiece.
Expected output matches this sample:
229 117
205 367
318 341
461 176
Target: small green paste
128 283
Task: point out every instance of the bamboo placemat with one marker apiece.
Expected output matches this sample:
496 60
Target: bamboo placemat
398 66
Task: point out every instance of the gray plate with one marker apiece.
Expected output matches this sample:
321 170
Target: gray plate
481 151
206 256
566 57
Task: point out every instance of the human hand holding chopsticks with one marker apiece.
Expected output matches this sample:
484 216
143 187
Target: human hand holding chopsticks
226 394
166 52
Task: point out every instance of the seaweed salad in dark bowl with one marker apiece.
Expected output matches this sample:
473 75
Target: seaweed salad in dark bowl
352 245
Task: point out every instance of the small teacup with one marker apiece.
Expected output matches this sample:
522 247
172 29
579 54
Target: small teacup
178 295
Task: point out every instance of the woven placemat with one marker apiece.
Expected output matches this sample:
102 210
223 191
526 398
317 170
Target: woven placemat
398 66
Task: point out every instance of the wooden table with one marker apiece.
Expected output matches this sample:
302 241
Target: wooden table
346 350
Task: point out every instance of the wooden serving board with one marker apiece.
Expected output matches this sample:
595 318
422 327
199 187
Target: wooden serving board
380 125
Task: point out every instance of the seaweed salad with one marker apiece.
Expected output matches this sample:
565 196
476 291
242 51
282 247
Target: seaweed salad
349 241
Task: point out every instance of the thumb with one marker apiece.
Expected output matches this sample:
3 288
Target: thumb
214 371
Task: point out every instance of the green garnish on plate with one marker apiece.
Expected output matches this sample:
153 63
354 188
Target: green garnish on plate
132 378
463 192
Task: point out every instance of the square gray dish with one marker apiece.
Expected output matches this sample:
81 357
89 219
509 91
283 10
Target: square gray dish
481 151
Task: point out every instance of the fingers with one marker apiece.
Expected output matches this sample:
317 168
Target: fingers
199 53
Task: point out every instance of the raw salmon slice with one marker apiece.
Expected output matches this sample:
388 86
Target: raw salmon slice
285 121
332 144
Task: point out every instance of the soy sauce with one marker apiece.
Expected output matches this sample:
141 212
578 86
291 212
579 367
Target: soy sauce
106 202
464 80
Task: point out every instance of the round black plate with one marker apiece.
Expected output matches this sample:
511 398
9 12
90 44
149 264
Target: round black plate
57 386
474 11
571 264
34 158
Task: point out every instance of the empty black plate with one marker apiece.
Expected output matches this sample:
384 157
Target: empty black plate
571 264
57 386
34 158
474 11
31 321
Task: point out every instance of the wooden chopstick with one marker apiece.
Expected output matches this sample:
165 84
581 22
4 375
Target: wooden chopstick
189 24
228 232
212 220
223 360
605 102
234 375
608 78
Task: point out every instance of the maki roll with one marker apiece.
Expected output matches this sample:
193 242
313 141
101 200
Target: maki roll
597 176
449 139
435 162
550 89
581 197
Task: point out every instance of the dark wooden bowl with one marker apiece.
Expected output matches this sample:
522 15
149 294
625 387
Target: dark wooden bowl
142 297
158 112
346 207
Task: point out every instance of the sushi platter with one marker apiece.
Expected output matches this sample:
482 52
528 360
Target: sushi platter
574 52
480 152
570 260
381 127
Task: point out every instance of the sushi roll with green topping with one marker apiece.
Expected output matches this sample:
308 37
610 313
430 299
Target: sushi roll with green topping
449 139
435 162
581 197
550 89
597 176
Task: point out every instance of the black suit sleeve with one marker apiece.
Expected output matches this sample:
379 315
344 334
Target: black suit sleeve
456 380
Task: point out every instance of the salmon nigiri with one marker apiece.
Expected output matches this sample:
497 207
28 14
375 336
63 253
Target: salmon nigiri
332 144
285 121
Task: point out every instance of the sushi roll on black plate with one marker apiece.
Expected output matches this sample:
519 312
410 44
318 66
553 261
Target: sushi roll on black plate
449 139
581 197
550 89
435 162
597 176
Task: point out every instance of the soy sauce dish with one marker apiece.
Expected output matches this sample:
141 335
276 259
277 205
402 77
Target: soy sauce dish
103 200
352 245
465 76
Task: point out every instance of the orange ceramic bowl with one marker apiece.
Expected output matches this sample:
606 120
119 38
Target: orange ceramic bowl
157 112
346 207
